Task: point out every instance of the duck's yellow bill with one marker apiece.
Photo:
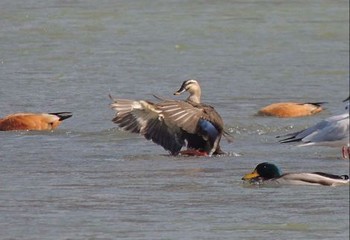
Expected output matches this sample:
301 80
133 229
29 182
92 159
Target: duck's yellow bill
252 175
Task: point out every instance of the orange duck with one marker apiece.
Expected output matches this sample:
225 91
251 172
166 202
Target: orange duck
291 109
33 121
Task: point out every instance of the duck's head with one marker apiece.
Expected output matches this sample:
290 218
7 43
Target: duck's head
192 87
263 171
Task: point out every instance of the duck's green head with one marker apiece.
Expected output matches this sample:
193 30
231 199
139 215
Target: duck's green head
263 171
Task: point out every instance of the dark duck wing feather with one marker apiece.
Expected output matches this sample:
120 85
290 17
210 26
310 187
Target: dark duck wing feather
201 125
145 118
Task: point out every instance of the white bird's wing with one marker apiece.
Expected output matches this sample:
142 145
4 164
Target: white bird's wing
328 126
337 131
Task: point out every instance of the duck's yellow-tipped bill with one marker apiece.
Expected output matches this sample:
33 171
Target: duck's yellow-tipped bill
250 176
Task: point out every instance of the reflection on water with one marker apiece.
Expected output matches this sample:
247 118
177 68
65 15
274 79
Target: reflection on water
89 180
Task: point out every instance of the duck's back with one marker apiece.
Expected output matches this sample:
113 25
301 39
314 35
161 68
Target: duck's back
29 121
290 109
314 178
209 113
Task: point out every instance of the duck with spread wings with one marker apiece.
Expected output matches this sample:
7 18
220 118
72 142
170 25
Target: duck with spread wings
174 124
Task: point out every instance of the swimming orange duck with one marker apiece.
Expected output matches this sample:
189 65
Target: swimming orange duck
33 121
291 109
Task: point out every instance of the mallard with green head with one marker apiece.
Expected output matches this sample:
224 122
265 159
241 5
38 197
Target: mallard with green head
174 124
270 173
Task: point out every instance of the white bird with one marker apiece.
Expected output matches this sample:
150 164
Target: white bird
331 132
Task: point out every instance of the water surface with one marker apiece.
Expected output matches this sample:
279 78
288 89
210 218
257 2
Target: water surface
89 180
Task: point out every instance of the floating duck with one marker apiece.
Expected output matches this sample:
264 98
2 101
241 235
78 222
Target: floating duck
291 109
33 121
174 124
270 173
332 132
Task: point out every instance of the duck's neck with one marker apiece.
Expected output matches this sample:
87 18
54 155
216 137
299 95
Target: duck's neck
195 95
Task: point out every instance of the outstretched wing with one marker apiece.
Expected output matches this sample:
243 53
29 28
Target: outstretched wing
180 114
143 117
170 124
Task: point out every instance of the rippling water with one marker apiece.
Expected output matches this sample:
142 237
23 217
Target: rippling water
89 180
